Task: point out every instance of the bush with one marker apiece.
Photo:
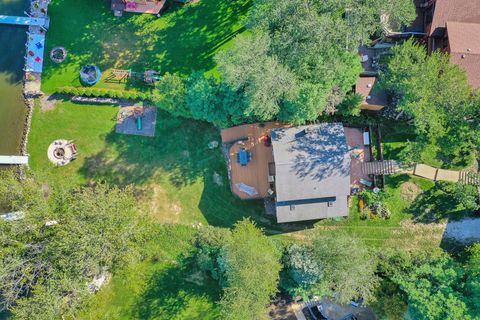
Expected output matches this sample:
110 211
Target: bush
365 214
108 93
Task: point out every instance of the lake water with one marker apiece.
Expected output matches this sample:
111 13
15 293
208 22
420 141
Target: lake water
12 51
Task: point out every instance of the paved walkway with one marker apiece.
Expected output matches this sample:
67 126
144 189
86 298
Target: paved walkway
421 170
465 230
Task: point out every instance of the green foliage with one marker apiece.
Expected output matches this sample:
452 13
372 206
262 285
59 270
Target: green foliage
209 243
436 286
300 58
251 263
433 290
436 95
335 265
97 92
472 285
264 80
301 271
350 106
170 94
216 103
94 232
348 268
466 195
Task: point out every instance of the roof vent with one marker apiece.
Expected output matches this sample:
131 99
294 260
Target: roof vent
469 49
369 85
369 97
463 56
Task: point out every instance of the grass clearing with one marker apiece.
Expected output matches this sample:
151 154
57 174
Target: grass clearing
173 171
183 40
163 286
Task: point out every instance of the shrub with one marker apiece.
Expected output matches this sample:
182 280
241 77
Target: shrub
364 214
88 92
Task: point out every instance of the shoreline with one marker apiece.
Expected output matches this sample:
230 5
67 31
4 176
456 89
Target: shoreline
32 80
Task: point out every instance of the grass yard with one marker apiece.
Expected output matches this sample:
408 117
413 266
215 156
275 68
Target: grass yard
173 171
405 196
163 286
183 40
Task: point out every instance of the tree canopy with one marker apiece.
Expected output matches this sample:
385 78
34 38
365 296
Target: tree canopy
436 95
334 265
252 264
47 266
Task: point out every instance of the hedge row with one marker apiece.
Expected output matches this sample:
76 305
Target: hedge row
106 93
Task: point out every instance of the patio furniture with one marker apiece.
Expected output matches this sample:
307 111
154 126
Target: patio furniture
243 157
366 182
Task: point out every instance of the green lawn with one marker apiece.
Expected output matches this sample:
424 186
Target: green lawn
173 171
165 285
183 40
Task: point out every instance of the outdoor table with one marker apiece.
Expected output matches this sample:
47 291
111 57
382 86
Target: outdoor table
243 157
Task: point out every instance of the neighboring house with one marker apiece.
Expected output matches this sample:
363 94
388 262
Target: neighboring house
312 172
454 27
374 99
462 42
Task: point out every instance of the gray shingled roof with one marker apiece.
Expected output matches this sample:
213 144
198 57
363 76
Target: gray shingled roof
312 165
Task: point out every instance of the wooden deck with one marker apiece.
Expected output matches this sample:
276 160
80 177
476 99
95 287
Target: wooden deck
256 172
359 154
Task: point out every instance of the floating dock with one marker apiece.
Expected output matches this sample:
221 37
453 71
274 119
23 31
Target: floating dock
25 21
13 159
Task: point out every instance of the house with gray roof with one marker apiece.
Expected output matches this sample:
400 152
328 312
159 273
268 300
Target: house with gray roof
312 172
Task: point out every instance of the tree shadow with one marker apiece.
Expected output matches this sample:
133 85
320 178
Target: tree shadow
183 40
179 149
436 204
179 289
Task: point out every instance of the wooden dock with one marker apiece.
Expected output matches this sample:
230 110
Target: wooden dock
8 160
25 21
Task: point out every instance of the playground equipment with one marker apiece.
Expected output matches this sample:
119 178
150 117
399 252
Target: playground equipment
90 74
121 75
58 54
138 114
61 152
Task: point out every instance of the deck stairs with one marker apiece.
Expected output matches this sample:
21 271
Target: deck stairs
471 178
380 167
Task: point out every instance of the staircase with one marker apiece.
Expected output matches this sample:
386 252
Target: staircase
469 178
380 167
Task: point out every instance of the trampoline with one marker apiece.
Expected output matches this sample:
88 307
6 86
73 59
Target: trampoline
90 74
58 54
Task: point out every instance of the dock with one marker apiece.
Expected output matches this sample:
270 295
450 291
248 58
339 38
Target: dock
9 160
25 21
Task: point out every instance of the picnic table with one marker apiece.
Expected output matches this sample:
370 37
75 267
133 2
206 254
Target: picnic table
243 157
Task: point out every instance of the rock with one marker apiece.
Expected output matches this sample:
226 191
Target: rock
217 179
213 144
